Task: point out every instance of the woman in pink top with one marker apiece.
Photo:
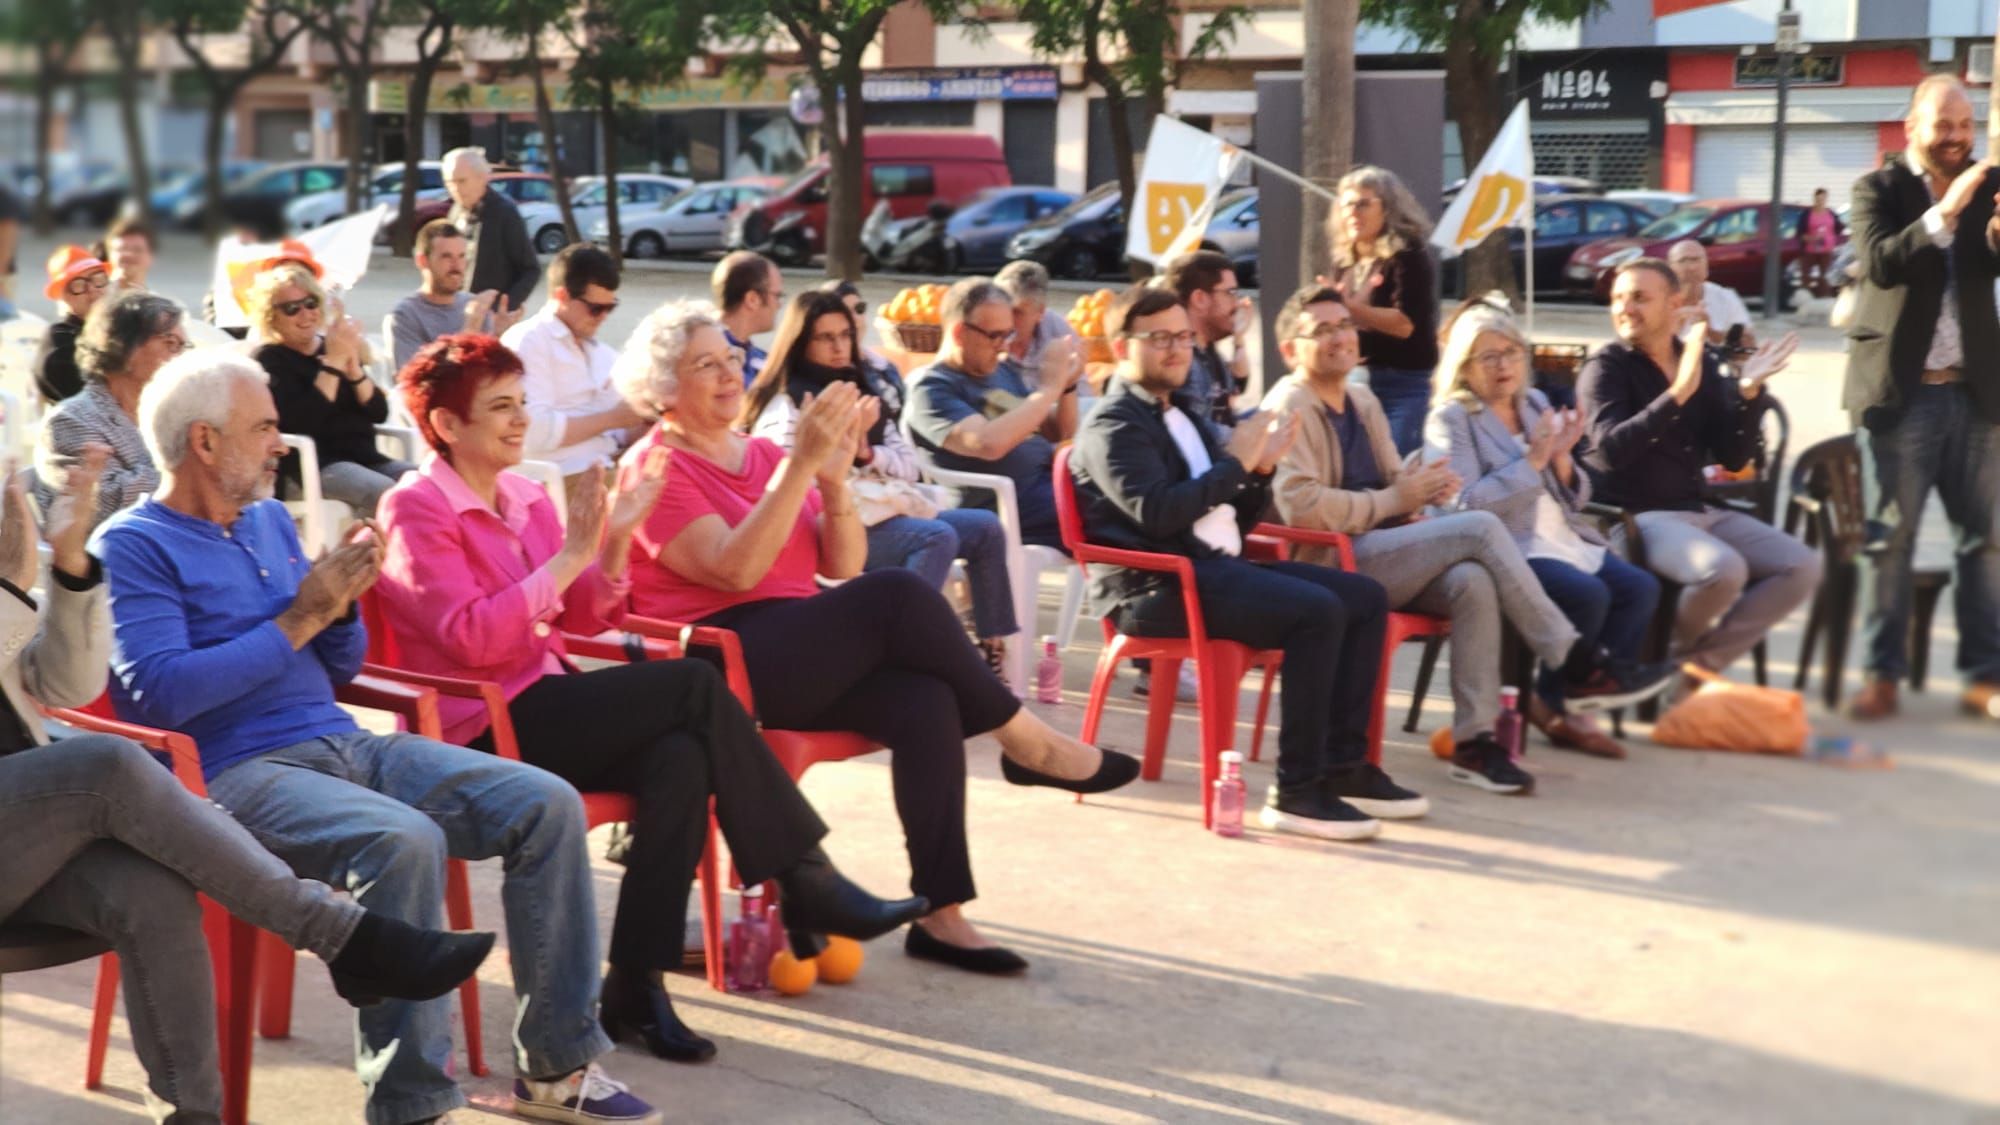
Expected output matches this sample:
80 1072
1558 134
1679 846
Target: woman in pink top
735 541
1821 236
481 581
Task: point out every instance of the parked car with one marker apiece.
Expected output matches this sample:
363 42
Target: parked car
908 167
94 202
1082 240
1544 185
385 186
259 199
1658 203
977 233
522 187
1562 224
168 197
1732 229
587 204
694 221
1233 231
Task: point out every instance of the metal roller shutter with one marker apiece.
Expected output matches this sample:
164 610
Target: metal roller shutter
1734 161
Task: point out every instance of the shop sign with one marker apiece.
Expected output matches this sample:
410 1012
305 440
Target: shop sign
1757 71
1597 85
387 95
963 84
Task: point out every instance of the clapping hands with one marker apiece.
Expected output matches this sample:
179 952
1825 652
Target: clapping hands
1556 434
1765 362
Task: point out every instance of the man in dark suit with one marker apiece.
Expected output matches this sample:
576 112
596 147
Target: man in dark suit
503 258
1923 384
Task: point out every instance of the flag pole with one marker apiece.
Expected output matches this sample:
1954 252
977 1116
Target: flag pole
1528 243
1282 172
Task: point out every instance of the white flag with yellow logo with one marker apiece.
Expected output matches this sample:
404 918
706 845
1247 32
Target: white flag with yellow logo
1498 194
1184 174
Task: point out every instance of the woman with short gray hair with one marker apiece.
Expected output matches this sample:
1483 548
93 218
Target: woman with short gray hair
124 341
1383 271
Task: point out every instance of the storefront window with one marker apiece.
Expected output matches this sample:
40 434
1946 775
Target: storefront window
768 143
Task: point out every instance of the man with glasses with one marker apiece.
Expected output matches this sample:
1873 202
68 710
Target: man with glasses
975 409
575 417
1205 281
77 281
1343 475
1152 477
750 292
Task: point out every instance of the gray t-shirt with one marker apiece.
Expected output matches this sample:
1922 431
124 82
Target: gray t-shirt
415 321
941 397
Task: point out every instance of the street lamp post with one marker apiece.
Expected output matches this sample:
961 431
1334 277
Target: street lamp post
1774 235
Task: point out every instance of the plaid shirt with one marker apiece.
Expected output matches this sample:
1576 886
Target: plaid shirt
93 415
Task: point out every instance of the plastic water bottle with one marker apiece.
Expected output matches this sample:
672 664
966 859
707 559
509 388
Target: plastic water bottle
1048 673
748 957
1229 795
1507 729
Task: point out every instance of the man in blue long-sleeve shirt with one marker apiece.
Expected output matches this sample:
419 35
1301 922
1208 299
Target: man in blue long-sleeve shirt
225 630
1661 410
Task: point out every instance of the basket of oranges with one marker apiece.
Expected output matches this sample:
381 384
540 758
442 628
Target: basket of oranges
1087 317
915 317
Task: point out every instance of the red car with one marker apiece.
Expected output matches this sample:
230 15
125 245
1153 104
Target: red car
521 187
1732 229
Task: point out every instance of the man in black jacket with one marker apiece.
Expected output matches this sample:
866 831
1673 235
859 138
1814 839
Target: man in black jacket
1150 475
1923 384
503 258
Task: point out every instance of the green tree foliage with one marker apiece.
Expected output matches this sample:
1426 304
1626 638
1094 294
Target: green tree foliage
268 33
51 30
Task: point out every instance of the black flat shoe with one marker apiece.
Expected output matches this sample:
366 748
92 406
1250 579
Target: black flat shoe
387 959
1113 771
993 960
635 1010
815 898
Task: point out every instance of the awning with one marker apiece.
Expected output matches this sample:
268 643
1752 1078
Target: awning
1214 103
1854 105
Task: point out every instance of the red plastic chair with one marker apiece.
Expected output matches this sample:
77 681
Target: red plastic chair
233 943
599 808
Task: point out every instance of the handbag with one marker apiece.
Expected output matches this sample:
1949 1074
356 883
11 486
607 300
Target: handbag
1722 715
878 498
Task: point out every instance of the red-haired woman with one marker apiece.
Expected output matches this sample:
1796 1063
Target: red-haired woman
481 581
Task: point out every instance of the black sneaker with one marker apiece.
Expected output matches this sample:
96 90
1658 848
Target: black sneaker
1483 764
1310 810
1368 789
1618 683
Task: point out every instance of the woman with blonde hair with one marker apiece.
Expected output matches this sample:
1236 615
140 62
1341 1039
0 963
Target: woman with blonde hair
314 354
1382 269
1516 456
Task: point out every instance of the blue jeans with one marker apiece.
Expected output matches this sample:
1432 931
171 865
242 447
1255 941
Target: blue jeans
378 815
1610 610
1938 442
1406 400
929 546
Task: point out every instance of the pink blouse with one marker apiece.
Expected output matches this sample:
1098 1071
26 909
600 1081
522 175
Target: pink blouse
698 487
467 590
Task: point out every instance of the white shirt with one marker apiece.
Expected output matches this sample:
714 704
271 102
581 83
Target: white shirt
1554 538
1725 307
564 377
1218 528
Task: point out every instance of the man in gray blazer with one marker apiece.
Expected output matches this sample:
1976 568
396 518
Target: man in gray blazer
1923 385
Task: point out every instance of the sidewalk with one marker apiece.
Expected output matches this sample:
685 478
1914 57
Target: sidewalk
1677 937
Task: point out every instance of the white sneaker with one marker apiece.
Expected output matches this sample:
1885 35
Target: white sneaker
583 1097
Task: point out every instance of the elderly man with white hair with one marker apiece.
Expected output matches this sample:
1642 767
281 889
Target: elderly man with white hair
224 629
502 256
1720 305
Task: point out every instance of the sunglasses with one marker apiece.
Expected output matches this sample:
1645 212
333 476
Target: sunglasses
600 308
82 285
303 304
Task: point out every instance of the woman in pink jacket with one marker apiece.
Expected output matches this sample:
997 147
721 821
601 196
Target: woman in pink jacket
481 581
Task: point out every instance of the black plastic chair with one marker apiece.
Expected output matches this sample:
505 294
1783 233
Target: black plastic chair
1827 510
27 946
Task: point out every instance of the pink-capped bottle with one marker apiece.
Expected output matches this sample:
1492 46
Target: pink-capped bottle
1230 795
1048 673
1508 729
748 956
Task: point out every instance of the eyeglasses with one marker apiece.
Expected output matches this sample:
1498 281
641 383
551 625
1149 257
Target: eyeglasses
1327 333
1226 294
998 339
1498 358
1165 340
176 343
303 304
600 309
82 285
709 365
775 296
829 339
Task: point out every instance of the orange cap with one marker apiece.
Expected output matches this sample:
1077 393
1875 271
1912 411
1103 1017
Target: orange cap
292 250
66 265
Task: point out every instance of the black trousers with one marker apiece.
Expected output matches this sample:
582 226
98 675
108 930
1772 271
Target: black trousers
1330 625
670 734
883 655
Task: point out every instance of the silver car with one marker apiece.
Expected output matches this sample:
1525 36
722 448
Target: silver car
693 222
636 191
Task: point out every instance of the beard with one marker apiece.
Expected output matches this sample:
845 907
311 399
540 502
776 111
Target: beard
246 480
1947 158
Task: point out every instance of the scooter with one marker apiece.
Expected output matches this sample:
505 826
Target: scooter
924 248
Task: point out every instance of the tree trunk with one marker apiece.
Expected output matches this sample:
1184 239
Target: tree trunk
403 235
358 164
125 44
545 119
1472 90
220 99
843 203
48 73
1328 93
607 115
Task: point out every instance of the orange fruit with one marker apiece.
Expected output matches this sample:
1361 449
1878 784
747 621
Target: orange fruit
791 976
841 960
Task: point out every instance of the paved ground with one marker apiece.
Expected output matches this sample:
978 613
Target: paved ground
1678 937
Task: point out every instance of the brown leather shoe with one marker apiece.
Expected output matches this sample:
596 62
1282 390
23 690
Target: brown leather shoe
1572 732
1981 699
1876 700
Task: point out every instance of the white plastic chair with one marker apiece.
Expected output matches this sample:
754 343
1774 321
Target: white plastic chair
321 521
549 475
1025 564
